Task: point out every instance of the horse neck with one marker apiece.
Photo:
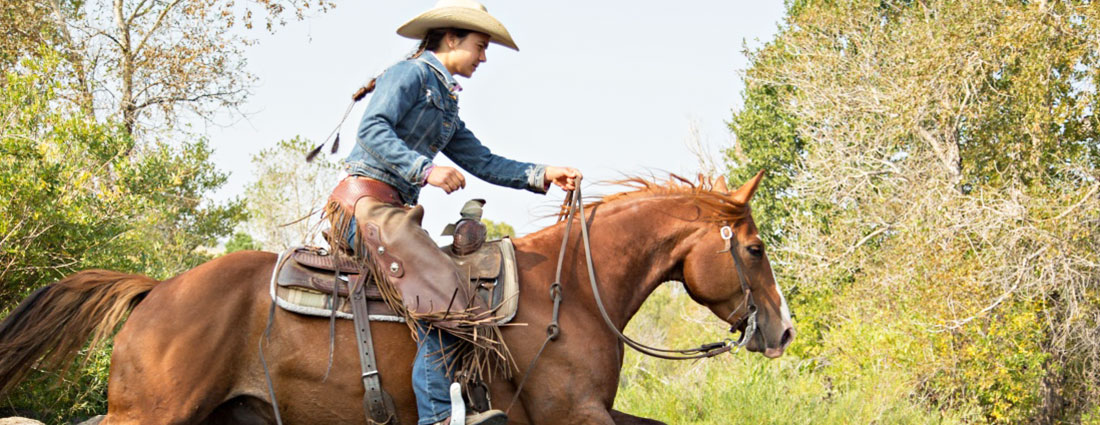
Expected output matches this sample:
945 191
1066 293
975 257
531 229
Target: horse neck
636 246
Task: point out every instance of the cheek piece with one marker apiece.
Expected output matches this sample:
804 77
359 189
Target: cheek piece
747 322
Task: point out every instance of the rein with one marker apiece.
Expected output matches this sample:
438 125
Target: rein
572 204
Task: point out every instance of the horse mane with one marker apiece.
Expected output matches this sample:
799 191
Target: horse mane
719 206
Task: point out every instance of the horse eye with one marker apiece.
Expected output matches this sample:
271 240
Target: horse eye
756 250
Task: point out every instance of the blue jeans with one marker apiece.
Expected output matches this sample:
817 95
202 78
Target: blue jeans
429 375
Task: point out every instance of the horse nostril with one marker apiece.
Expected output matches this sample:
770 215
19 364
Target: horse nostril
786 338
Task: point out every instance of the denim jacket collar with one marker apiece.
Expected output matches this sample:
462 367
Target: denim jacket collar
440 71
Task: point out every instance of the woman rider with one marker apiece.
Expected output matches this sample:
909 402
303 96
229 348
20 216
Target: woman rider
412 115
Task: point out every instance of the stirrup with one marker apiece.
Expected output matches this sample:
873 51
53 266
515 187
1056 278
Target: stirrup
458 407
458 412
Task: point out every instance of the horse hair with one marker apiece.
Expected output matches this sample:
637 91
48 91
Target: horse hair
53 323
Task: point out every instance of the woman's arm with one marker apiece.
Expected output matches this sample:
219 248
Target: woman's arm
396 92
467 151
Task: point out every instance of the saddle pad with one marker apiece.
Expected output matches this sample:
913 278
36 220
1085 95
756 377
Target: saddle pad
296 286
297 298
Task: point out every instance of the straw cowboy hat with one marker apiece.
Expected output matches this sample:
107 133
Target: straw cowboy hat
462 14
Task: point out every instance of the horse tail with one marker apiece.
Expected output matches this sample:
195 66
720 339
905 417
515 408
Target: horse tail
54 322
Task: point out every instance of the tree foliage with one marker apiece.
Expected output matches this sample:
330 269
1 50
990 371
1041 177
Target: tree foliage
94 96
26 27
75 199
240 241
937 195
146 63
81 194
287 194
497 229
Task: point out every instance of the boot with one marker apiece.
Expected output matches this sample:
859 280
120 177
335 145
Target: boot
489 417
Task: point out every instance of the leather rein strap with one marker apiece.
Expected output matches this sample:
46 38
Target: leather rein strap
573 203
703 351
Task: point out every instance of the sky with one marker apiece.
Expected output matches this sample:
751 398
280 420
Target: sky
613 88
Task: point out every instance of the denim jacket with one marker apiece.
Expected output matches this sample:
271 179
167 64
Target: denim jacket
412 115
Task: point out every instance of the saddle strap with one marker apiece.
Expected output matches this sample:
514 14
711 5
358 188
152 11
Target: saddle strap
377 404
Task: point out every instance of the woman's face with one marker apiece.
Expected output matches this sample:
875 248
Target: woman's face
461 56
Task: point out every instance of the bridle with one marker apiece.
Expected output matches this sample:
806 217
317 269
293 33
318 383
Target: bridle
749 318
571 205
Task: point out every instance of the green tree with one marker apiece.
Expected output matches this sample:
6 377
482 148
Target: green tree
240 241
938 179
287 194
146 64
497 230
79 195
767 139
76 199
26 27
93 170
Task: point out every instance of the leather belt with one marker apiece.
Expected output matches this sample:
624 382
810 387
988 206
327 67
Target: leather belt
351 188
377 403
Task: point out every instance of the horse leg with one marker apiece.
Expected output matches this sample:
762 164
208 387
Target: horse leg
621 418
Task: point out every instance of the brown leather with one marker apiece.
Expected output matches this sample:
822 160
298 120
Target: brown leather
482 269
428 282
295 274
469 235
316 270
313 270
319 260
377 404
483 264
389 263
352 188
491 417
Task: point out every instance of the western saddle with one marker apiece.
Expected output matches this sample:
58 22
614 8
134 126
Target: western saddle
314 282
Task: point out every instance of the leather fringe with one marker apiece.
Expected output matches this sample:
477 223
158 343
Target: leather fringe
481 353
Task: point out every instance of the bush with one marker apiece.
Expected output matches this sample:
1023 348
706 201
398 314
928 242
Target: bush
746 388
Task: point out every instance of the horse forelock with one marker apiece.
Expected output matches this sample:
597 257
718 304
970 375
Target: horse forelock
719 206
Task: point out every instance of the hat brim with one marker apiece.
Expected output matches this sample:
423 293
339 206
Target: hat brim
458 17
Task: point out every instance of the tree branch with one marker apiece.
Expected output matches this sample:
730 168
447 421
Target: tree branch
161 100
156 24
948 154
1078 204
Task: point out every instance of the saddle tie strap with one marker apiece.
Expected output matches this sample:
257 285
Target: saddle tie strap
376 403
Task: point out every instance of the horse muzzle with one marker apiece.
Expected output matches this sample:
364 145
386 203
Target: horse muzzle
754 338
785 339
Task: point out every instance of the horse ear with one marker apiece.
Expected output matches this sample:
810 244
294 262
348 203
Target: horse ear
745 192
720 184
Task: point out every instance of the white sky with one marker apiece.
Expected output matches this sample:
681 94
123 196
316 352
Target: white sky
609 87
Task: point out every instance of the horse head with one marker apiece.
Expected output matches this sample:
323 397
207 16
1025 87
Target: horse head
725 257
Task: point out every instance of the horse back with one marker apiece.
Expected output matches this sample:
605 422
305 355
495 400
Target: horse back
190 352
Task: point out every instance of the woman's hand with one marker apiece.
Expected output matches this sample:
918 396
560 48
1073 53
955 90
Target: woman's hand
565 177
446 178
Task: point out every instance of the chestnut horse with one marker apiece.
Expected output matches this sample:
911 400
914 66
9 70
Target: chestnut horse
187 353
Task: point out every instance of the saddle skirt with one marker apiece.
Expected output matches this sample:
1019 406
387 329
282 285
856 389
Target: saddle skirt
305 279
